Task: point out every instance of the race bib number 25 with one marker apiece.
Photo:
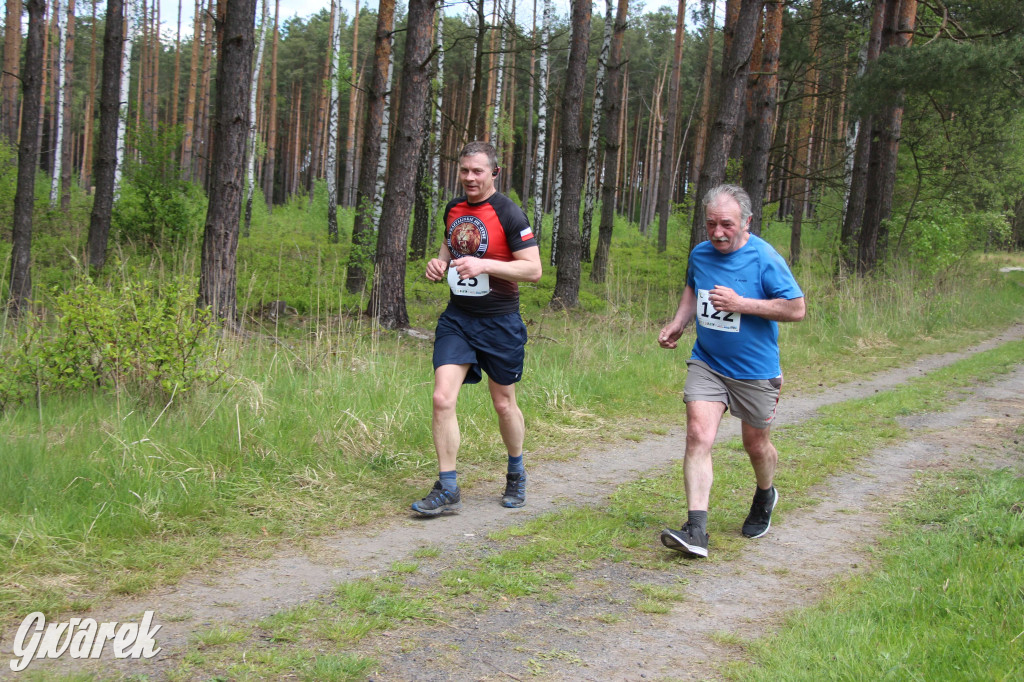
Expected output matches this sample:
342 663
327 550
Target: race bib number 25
474 286
708 317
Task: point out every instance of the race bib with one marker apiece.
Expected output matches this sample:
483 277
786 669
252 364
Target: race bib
708 317
474 286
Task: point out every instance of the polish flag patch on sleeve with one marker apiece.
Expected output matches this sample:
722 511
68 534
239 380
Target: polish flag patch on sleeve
525 234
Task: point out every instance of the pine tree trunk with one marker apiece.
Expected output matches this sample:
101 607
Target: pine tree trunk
90 109
574 156
611 126
528 155
705 108
10 79
804 144
362 228
665 179
188 133
730 107
897 34
176 88
476 101
270 167
755 163
106 150
387 299
217 289
28 154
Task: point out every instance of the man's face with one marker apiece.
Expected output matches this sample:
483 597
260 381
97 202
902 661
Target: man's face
725 230
475 174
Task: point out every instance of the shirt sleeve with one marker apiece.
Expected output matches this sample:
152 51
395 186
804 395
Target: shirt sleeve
777 279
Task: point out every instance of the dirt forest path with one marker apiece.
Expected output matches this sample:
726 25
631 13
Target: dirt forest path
724 602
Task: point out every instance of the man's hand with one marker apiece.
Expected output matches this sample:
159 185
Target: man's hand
725 299
670 333
469 267
436 270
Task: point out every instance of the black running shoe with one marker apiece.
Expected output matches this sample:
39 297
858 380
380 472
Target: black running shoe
438 501
759 520
515 490
688 540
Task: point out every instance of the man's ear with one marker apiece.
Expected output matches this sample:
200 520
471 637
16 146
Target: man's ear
494 173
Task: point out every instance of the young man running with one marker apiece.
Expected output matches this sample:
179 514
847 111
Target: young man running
489 247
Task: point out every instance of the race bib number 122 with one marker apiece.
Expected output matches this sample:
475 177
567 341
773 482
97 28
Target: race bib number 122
708 317
474 286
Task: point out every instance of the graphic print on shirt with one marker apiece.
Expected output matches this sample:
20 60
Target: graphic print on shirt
467 237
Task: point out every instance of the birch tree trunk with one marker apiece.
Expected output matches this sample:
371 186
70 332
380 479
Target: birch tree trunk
385 137
436 147
387 299
217 279
611 125
126 81
353 100
60 19
28 156
499 80
362 227
332 131
590 186
574 156
257 71
66 150
542 122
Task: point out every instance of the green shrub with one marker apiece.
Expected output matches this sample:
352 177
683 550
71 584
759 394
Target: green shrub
155 206
136 335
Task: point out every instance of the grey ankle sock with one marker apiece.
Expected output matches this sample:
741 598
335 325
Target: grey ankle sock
698 520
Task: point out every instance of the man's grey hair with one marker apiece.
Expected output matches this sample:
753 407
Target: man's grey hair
481 147
736 192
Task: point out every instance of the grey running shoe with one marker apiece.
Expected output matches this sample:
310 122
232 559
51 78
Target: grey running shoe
759 520
438 501
688 540
515 490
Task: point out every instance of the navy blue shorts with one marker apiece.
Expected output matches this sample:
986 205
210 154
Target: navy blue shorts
496 345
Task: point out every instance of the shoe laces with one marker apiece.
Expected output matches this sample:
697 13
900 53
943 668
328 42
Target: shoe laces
515 485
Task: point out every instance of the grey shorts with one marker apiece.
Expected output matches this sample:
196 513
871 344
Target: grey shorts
751 400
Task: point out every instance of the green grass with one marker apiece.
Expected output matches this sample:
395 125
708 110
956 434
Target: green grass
945 603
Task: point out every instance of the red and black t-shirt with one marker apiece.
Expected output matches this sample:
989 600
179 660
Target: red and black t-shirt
495 228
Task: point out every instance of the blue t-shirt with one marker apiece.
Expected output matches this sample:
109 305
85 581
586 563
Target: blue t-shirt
739 346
